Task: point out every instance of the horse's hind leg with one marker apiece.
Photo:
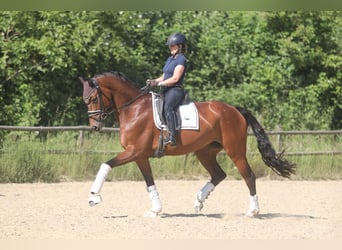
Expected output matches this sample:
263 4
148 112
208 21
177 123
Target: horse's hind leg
249 177
207 156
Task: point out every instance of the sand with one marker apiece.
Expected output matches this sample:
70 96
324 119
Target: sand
289 210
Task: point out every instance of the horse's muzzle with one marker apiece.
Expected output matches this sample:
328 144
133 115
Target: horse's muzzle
97 126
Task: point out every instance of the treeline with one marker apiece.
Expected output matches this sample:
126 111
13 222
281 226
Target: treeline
283 66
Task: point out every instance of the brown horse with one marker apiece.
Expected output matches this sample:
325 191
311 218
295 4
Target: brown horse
221 127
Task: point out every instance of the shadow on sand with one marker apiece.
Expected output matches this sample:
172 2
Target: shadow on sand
282 215
266 216
216 216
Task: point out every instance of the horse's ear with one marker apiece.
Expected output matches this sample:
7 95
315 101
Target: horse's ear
87 89
82 80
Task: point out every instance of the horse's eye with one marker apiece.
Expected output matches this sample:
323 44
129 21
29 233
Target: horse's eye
94 100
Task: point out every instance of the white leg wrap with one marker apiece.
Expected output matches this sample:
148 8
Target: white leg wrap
156 203
205 191
202 195
253 206
100 178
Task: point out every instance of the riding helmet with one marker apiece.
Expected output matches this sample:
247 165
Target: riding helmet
176 38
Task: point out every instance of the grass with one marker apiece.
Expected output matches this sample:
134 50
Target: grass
62 156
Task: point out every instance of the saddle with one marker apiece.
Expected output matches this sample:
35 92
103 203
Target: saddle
187 118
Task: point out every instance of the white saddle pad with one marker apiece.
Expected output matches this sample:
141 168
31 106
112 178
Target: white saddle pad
188 114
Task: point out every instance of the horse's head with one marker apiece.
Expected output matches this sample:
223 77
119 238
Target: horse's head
99 104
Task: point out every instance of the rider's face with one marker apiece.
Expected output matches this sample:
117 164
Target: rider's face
173 49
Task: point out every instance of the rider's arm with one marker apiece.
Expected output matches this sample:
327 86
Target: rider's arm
177 74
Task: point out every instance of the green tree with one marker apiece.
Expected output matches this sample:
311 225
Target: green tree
283 66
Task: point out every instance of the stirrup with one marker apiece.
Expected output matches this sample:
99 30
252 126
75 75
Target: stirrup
170 140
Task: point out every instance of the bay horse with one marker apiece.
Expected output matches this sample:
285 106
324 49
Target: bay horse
221 126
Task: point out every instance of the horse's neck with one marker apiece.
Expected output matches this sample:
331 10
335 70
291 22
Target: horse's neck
123 93
123 98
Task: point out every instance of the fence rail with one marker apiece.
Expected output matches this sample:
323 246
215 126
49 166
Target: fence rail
61 128
82 129
110 130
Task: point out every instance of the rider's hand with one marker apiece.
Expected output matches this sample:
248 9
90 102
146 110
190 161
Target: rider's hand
152 82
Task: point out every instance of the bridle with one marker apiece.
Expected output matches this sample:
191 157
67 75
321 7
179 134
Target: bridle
103 112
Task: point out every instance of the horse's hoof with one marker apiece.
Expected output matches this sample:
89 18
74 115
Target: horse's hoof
197 210
198 206
252 213
94 199
151 214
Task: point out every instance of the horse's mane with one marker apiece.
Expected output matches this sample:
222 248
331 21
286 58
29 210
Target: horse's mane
120 75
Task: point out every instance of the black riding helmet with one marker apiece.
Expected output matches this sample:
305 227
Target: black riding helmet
176 38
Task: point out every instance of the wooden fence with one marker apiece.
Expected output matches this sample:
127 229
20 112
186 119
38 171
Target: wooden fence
279 135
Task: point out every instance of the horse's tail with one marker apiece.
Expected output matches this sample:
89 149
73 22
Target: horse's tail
275 161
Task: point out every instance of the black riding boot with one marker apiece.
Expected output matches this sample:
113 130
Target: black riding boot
171 124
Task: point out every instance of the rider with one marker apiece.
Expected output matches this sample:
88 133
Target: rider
171 82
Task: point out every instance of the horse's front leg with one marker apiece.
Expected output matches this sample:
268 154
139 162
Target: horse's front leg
95 197
207 156
124 157
145 168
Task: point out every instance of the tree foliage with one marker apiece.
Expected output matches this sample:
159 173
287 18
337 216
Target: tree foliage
283 66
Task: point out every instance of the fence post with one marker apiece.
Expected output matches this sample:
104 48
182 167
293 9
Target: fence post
80 139
279 142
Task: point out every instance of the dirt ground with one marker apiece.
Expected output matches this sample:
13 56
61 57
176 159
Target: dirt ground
289 210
